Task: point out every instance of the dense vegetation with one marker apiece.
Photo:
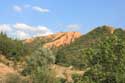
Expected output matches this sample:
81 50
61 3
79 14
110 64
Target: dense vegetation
36 58
102 51
73 54
12 49
105 57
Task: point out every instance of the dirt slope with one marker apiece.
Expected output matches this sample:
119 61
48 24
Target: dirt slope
61 39
66 72
56 40
5 69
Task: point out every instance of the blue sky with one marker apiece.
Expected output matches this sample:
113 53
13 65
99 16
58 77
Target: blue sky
51 16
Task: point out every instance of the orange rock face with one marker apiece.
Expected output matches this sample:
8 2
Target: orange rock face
61 39
30 40
111 29
58 39
5 69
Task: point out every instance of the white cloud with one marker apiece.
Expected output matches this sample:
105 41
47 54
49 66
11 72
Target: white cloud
21 30
73 27
39 9
22 26
17 8
5 28
22 35
33 29
28 6
42 31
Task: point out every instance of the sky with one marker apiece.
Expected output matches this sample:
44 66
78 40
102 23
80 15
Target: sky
29 18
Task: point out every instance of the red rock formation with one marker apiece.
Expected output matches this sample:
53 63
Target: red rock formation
5 69
58 39
111 29
30 40
61 39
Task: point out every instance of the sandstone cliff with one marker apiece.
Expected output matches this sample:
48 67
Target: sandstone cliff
29 40
61 39
56 40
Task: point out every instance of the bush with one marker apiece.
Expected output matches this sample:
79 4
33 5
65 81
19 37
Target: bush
12 49
14 78
37 66
107 61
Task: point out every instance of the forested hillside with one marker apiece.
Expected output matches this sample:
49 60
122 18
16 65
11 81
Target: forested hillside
102 50
12 49
75 49
95 57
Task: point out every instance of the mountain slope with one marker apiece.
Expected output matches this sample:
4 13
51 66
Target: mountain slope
73 53
55 40
72 50
61 39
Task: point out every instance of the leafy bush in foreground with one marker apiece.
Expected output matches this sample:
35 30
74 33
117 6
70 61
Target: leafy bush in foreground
14 78
12 49
107 61
38 66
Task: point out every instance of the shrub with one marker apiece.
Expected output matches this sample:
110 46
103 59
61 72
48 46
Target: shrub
107 61
14 78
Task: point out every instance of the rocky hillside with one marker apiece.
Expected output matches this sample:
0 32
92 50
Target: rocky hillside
4 69
66 72
61 39
29 40
75 49
72 58
56 40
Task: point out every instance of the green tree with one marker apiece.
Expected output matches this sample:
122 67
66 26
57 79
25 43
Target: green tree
107 61
38 66
12 49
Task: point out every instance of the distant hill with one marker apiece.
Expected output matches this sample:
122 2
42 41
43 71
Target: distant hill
70 54
71 44
62 39
65 54
55 40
